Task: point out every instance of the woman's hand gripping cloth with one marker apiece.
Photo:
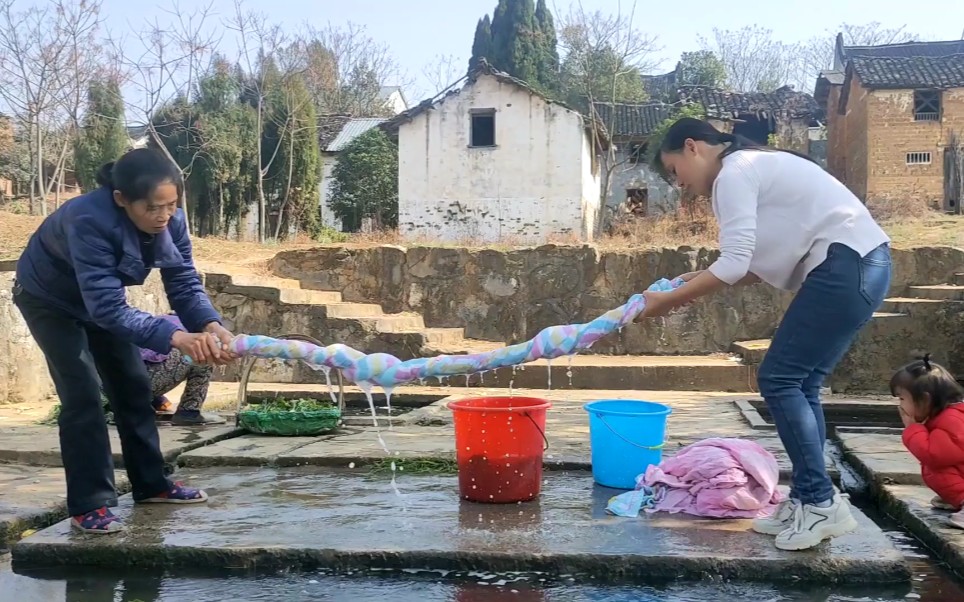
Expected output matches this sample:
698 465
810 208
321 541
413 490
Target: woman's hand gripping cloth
716 478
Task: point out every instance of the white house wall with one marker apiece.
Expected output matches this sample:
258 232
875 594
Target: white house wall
528 187
662 197
328 162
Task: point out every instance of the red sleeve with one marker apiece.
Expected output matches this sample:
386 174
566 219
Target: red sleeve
938 448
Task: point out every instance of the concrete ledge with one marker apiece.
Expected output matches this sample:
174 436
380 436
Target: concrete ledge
894 479
34 498
879 457
910 505
301 519
40 445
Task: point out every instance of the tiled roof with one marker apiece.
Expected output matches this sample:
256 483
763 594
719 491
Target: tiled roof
906 50
784 101
353 129
910 72
661 86
329 126
631 120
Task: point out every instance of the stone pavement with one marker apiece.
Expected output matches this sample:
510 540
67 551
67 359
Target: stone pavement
34 497
894 478
428 432
305 518
280 465
32 489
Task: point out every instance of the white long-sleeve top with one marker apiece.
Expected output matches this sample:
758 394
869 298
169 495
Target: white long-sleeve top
778 215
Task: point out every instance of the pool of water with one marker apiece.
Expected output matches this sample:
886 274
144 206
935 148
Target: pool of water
931 583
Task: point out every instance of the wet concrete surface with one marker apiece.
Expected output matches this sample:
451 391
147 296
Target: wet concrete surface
308 518
39 445
568 447
881 456
33 497
896 486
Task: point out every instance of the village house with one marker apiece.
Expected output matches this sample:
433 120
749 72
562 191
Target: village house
633 184
894 116
335 132
393 98
496 160
784 117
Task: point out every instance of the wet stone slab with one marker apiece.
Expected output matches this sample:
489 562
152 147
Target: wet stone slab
910 504
32 497
879 456
568 448
306 518
40 445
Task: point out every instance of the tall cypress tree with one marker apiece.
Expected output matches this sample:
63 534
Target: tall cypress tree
525 51
502 31
482 44
103 135
522 42
549 65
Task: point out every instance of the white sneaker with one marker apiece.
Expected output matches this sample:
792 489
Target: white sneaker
812 524
779 521
956 519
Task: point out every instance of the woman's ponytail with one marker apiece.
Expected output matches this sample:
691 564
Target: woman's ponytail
105 175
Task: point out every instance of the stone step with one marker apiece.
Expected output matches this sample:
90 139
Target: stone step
630 372
752 352
462 346
298 296
353 310
401 323
941 292
452 337
909 305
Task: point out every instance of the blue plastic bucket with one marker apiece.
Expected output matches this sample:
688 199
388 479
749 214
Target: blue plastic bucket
626 436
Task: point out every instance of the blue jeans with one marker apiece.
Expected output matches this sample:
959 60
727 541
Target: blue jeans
837 298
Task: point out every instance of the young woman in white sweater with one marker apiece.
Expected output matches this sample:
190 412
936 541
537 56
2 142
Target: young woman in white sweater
787 222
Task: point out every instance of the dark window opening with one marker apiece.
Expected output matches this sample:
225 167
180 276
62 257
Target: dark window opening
637 201
483 128
637 152
927 105
753 128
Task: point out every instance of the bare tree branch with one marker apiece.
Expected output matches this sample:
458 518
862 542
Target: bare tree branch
174 53
441 72
605 56
347 68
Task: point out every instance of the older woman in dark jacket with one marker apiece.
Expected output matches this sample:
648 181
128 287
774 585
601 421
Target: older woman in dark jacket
70 289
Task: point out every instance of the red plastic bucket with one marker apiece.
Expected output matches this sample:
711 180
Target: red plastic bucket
499 443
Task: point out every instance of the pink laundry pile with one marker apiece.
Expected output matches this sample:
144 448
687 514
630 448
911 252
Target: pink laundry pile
717 478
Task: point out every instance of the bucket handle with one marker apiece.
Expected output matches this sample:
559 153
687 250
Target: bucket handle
541 432
649 447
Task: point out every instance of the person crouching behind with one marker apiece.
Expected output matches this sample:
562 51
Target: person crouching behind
932 410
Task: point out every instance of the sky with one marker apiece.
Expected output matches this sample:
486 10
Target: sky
417 31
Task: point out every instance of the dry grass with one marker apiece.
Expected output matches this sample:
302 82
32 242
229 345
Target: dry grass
909 224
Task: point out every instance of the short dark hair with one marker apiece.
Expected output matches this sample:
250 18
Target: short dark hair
698 129
139 172
924 379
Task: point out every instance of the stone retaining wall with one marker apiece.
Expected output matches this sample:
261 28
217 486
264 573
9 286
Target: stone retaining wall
23 370
509 296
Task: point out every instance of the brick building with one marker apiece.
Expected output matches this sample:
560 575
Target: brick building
893 113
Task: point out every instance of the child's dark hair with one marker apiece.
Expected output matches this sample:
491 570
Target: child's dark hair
700 130
927 381
139 172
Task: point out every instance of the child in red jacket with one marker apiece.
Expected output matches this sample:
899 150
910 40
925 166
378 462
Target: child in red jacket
932 410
